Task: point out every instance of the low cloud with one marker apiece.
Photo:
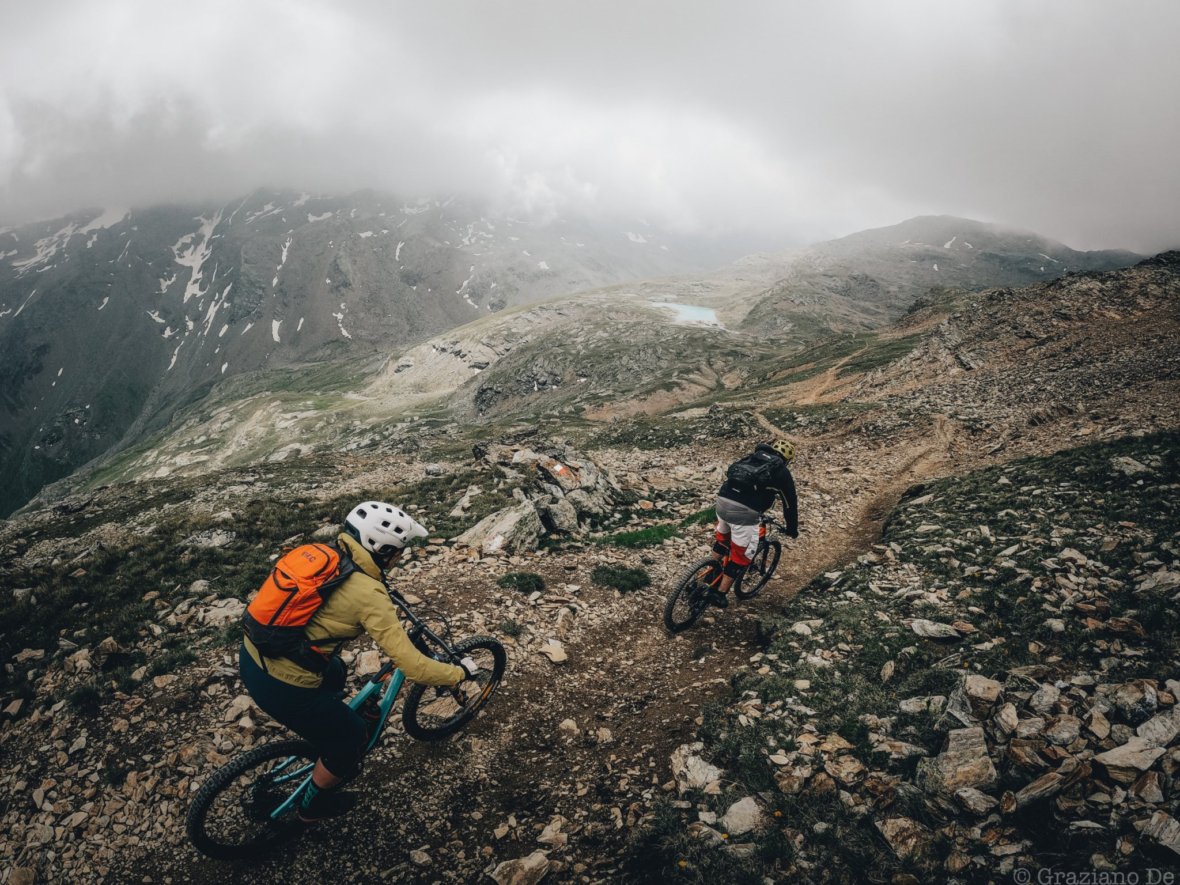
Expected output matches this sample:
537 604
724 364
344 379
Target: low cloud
1058 117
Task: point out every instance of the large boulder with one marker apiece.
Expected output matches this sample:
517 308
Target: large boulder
567 489
511 530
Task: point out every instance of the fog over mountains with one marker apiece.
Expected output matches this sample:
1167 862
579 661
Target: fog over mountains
111 320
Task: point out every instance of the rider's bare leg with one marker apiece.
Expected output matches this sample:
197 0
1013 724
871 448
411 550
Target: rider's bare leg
323 778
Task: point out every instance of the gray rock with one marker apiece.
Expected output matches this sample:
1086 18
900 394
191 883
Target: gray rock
690 770
1098 724
560 516
933 629
522 871
1149 788
326 532
222 613
924 704
1163 830
982 694
1063 730
1160 730
1044 698
964 762
976 802
1163 581
908 838
1128 466
1136 701
511 530
210 538
743 816
1007 719
1125 763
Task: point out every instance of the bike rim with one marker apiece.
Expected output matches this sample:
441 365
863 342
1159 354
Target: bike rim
692 599
452 704
240 815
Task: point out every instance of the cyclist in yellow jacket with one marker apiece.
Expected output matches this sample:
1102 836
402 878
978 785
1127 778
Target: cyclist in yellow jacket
310 703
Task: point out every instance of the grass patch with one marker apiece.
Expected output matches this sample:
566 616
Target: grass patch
645 537
85 699
880 353
621 578
650 536
511 627
525 582
171 659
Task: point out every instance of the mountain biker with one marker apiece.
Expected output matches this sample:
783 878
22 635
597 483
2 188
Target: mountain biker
309 702
745 495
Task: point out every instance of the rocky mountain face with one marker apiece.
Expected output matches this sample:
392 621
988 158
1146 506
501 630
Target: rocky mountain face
869 278
965 665
641 348
110 321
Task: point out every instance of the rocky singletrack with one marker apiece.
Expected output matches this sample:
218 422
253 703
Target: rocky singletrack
628 695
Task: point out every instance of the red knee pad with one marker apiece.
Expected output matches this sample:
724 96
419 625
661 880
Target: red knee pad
738 556
721 544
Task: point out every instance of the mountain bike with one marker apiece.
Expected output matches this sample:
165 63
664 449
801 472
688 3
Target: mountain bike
248 805
690 597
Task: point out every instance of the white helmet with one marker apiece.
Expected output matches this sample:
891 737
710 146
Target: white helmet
382 529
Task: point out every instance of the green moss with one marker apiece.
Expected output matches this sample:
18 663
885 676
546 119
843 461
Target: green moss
621 578
525 582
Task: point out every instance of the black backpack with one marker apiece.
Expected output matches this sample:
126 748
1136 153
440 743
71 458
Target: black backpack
753 473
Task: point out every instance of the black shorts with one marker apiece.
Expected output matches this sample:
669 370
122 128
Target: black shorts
315 714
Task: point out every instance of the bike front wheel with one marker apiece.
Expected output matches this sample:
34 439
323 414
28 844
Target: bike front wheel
759 571
688 599
230 817
431 713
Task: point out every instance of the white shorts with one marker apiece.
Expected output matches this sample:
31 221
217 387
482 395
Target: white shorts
744 537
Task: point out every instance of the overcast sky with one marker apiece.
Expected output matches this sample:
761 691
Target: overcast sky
797 120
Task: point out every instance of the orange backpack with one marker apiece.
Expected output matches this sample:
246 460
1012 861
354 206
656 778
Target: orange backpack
301 581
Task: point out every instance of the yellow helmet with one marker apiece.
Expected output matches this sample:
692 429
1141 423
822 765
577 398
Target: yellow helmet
784 447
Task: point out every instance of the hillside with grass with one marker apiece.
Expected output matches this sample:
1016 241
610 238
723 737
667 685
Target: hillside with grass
965 664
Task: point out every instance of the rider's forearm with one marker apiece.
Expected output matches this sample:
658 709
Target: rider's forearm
391 636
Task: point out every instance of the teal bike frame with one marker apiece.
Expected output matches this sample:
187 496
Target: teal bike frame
388 681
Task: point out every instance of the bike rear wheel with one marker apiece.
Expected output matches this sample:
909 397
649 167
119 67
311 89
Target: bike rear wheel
431 713
230 815
760 570
689 598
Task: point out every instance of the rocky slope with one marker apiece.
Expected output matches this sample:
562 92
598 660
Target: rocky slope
272 281
851 716
869 278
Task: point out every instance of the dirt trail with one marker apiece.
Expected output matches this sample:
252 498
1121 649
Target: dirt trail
634 692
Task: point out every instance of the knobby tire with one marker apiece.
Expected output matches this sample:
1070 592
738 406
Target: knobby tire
431 714
256 832
760 570
688 594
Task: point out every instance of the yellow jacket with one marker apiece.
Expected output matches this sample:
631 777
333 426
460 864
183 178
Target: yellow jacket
360 604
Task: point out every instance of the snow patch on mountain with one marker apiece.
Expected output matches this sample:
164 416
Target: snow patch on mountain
193 250
47 248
